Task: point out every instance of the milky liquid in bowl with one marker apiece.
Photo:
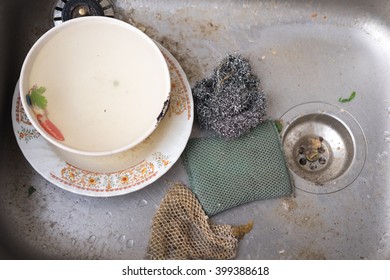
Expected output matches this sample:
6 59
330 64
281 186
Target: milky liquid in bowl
103 88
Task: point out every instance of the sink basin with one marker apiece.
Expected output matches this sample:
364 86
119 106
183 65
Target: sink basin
304 52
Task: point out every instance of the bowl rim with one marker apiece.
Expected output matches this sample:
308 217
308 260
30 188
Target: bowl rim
34 50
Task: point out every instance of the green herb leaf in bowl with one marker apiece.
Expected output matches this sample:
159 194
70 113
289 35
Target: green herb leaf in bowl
37 98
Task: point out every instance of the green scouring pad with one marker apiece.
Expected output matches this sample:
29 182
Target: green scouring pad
224 174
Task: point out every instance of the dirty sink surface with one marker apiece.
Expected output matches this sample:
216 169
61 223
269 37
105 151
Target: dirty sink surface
303 51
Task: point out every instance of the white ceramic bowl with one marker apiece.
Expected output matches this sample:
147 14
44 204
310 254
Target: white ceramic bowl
95 86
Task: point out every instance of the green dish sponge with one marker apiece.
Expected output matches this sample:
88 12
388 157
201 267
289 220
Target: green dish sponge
224 174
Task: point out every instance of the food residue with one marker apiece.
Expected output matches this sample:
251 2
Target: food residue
350 98
240 231
31 190
279 125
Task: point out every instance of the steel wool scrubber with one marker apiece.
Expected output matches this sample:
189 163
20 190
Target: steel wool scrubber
230 101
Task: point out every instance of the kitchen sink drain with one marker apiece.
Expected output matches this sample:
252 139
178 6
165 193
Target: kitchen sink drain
65 10
324 146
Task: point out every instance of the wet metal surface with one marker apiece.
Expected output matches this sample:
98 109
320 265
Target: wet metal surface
303 51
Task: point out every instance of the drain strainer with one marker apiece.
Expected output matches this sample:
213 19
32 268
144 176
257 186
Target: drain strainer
65 10
324 146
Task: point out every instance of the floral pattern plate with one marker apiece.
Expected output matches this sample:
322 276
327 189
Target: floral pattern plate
116 174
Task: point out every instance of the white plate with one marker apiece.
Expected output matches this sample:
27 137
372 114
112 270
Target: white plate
117 174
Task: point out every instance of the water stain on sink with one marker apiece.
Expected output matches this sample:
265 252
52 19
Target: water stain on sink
304 217
207 29
289 204
386 135
92 239
309 254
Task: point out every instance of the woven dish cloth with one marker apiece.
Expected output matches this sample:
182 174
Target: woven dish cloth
224 174
181 230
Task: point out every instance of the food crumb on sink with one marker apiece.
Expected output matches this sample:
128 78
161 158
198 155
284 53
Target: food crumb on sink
289 204
31 190
350 98
241 231
279 125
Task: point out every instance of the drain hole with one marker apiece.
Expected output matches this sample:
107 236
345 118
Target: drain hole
322 160
312 166
302 161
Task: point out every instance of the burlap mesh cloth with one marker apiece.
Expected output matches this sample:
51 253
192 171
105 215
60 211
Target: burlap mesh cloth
224 174
181 230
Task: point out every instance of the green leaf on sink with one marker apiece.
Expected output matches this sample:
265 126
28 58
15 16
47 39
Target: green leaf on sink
31 190
278 125
350 98
37 98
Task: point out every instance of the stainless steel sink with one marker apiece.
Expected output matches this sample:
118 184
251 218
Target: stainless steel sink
303 52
